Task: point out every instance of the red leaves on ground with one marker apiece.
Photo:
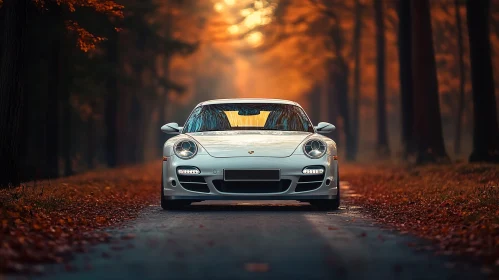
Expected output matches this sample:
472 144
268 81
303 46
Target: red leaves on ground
46 222
128 236
257 267
456 205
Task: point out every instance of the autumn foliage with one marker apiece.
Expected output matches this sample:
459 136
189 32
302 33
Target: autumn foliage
46 221
455 206
85 40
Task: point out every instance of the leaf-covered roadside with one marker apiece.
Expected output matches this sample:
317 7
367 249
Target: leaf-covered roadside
456 206
47 221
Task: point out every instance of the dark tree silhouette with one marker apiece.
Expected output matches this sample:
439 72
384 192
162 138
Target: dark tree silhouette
52 121
462 80
338 77
405 62
382 133
485 129
11 88
356 77
427 123
111 103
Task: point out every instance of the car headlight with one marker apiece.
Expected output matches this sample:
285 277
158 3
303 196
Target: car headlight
314 148
185 149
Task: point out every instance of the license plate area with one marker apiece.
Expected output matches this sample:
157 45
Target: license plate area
252 174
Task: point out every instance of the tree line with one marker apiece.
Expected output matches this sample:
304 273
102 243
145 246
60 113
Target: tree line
84 84
80 81
420 108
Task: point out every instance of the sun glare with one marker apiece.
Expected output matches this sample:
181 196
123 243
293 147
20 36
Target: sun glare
233 29
255 13
259 4
255 38
253 20
218 7
246 12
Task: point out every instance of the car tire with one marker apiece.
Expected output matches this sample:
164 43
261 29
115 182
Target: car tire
329 204
173 205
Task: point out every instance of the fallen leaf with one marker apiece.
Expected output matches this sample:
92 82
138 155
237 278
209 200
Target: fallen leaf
257 267
128 236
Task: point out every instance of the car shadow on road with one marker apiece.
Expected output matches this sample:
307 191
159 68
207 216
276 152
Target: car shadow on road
254 207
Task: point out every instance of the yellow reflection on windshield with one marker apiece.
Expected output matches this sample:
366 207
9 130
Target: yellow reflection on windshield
237 120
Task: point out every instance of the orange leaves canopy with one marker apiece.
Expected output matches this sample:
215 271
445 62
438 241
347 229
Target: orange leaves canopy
86 41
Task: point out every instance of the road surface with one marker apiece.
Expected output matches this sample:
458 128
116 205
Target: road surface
258 240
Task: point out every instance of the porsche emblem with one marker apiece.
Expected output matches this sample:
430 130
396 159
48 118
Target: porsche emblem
251 152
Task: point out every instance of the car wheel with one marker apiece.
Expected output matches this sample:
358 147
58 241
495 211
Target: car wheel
329 204
173 205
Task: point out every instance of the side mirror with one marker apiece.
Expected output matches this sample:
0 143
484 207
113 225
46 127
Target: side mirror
324 127
171 128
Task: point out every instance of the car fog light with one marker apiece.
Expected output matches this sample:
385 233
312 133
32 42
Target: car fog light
191 170
313 170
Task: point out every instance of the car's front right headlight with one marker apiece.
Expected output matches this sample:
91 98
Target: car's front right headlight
314 148
185 149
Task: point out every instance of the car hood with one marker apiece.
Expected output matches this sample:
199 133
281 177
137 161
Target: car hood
225 144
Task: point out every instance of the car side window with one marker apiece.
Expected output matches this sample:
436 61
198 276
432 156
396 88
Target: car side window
194 121
306 123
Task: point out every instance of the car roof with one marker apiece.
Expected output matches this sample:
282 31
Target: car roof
248 100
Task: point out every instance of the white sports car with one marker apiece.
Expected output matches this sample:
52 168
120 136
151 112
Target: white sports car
249 149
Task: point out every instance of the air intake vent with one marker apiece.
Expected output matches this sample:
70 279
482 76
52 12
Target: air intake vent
193 183
309 183
252 186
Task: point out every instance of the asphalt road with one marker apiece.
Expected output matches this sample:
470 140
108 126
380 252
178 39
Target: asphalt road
259 240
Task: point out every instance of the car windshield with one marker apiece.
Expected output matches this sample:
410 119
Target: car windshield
248 116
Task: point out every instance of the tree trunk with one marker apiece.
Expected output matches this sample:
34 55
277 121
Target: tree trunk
330 95
338 76
52 124
67 130
340 79
382 136
12 89
91 139
163 99
406 90
66 111
136 130
462 80
52 116
111 106
161 118
357 33
325 108
485 129
314 110
2 20
427 122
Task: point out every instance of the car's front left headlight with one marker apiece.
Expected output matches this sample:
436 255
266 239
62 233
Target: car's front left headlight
314 148
185 149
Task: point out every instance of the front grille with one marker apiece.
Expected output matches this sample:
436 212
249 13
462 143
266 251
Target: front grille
309 183
252 187
307 187
193 183
311 178
252 175
190 179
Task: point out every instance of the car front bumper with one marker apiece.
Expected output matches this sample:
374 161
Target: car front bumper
208 182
